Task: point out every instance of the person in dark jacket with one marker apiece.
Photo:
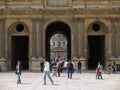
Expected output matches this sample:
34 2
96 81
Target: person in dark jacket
18 71
79 67
42 66
70 69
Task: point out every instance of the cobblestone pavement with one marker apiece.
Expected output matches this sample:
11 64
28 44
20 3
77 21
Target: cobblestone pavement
84 81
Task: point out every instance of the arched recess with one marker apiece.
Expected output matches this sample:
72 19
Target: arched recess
18 45
57 27
97 46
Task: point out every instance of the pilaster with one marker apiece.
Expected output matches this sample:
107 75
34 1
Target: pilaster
81 37
2 37
43 37
113 37
75 37
117 36
34 38
39 38
108 46
118 27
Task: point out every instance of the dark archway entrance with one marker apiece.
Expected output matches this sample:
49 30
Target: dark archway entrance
20 51
96 46
58 28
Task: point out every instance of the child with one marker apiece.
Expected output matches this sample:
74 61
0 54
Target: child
97 73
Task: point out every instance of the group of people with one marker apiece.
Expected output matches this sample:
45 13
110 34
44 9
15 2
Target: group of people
65 66
46 71
68 67
110 66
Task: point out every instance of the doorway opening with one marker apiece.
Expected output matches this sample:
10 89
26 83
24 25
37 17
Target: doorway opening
58 28
20 51
96 47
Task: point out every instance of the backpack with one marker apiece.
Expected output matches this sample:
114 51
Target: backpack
70 66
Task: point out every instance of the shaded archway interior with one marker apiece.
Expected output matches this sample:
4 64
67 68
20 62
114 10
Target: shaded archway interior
20 46
96 47
58 28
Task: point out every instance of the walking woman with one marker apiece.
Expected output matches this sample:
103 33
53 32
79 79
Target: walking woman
18 71
47 72
100 68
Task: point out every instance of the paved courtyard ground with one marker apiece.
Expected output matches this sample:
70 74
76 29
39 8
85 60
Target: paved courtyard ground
85 81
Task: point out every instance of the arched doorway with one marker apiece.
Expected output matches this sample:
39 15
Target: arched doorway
57 28
96 44
18 45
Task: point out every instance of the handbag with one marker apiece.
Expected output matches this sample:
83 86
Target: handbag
15 71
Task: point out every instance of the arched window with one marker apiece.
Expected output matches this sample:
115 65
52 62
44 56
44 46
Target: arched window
63 43
54 44
59 43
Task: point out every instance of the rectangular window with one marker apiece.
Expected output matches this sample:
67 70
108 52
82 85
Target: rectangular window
57 2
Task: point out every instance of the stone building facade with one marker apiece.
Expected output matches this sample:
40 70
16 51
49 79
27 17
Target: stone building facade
91 27
58 47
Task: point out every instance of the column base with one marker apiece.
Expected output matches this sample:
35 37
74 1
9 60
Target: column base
35 63
3 64
117 61
82 60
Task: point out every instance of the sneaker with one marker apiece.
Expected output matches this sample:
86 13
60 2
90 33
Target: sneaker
44 83
52 83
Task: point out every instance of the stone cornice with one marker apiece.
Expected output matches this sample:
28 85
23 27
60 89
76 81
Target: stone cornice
108 12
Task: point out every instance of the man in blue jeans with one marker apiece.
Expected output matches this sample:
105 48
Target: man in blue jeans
47 72
70 69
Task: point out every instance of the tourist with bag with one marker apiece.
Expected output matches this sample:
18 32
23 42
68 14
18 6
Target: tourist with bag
18 71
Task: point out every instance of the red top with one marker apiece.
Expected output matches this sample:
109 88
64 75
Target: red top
97 71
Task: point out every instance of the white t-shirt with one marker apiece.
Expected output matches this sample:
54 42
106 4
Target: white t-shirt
65 64
47 66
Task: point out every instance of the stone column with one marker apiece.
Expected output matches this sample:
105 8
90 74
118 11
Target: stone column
2 38
81 37
108 46
118 37
3 63
34 38
113 37
38 35
39 38
43 36
37 44
86 51
75 38
81 43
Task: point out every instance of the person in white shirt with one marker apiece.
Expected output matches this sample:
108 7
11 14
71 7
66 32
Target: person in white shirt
47 72
65 66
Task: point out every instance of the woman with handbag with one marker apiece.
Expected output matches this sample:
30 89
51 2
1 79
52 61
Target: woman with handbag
18 71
